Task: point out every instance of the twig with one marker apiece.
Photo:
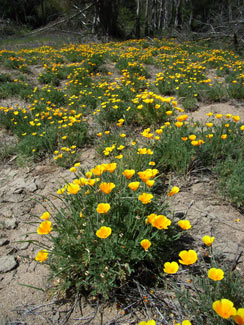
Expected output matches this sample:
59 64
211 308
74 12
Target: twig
236 262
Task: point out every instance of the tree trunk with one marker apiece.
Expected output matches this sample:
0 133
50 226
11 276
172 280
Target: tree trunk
147 18
153 18
160 14
177 4
108 16
138 14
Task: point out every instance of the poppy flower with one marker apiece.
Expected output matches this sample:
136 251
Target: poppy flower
224 308
103 232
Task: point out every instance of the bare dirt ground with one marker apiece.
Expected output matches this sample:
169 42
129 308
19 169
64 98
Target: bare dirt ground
22 187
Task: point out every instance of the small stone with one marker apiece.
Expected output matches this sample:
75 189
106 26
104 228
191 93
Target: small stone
22 244
7 263
3 241
6 211
179 214
204 214
31 187
10 223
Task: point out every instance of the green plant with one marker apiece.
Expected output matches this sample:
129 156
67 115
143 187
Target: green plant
196 299
230 174
87 258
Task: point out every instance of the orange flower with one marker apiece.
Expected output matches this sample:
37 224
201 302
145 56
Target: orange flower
182 118
145 243
103 232
239 317
208 240
107 187
161 222
224 308
184 224
171 268
218 116
173 191
236 118
45 216
216 274
44 228
110 167
178 124
145 198
134 185
188 257
224 136
150 218
150 182
41 256
98 170
128 173
103 207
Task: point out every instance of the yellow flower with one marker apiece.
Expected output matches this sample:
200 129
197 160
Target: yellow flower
61 191
224 308
236 118
223 136
171 268
209 114
103 207
242 127
194 143
178 124
134 185
103 232
161 222
173 191
208 240
145 198
192 137
169 113
150 322
128 173
45 216
119 157
150 182
145 243
44 228
209 125
216 274
239 317
73 169
41 256
150 218
218 116
185 322
106 187
184 138
184 224
73 188
182 118
188 257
